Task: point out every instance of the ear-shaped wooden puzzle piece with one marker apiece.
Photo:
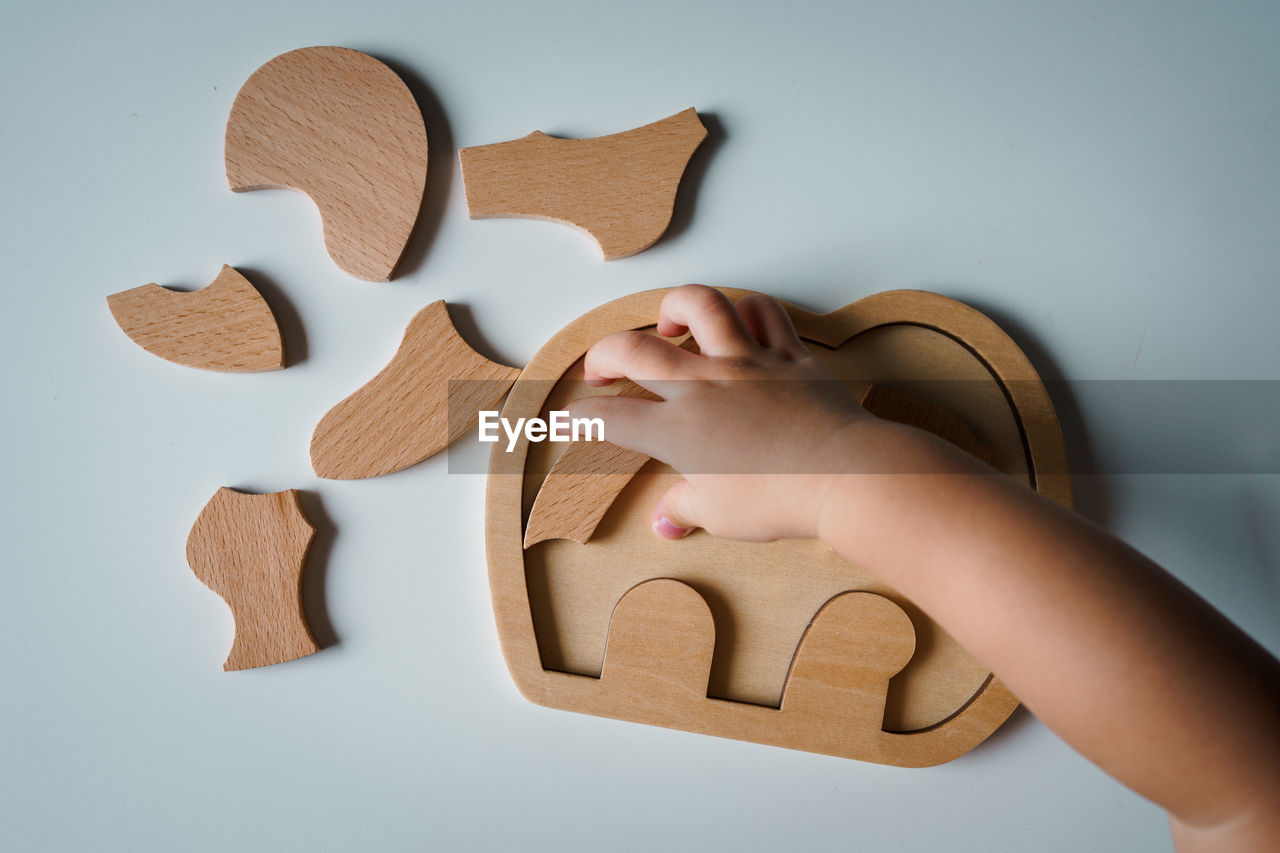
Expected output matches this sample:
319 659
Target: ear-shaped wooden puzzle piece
425 398
343 128
250 550
225 326
620 189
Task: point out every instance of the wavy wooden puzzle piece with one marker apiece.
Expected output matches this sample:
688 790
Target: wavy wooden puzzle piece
587 478
620 189
425 398
343 128
224 326
250 550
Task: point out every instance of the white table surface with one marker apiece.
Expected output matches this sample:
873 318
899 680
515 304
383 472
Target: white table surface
1103 178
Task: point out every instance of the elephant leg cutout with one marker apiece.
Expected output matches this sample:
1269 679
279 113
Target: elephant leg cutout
661 638
840 675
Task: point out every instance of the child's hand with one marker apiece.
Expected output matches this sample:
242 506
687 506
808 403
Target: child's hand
751 422
1097 640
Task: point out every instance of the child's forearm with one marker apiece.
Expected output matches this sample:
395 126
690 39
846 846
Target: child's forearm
1112 653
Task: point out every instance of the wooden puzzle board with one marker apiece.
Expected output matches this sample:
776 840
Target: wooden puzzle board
762 596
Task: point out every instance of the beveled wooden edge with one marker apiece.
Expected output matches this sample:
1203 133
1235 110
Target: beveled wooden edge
504 527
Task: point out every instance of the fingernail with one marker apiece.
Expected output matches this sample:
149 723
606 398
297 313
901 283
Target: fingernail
667 529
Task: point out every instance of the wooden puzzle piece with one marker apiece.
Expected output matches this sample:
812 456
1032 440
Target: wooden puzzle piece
587 478
224 326
250 550
661 638
583 482
553 603
620 189
425 398
839 678
341 127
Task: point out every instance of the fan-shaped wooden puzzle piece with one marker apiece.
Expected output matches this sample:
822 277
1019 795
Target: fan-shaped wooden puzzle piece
225 326
250 550
425 398
343 128
581 485
781 643
589 475
620 189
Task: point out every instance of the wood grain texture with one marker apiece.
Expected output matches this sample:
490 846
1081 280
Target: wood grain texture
341 127
225 326
555 602
250 550
425 398
619 189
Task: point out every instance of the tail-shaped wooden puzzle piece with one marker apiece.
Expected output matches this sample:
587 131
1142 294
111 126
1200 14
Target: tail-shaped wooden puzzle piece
425 398
620 189
224 326
343 128
250 549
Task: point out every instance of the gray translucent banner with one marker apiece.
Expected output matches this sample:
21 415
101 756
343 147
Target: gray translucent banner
1111 427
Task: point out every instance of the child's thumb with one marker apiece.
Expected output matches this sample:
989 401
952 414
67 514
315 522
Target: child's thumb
673 517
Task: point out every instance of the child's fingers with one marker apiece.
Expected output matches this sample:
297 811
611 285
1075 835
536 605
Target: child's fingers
629 422
768 322
639 357
710 316
673 517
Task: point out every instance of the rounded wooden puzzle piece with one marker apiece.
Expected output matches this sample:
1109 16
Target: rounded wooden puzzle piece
343 128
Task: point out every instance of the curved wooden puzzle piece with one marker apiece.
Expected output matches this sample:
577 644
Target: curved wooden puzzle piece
840 675
588 477
620 189
250 550
661 638
343 128
225 326
427 396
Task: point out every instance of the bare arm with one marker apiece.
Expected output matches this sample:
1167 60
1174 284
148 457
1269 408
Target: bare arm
1121 660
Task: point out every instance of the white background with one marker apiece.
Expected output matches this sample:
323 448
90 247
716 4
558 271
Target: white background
1102 178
